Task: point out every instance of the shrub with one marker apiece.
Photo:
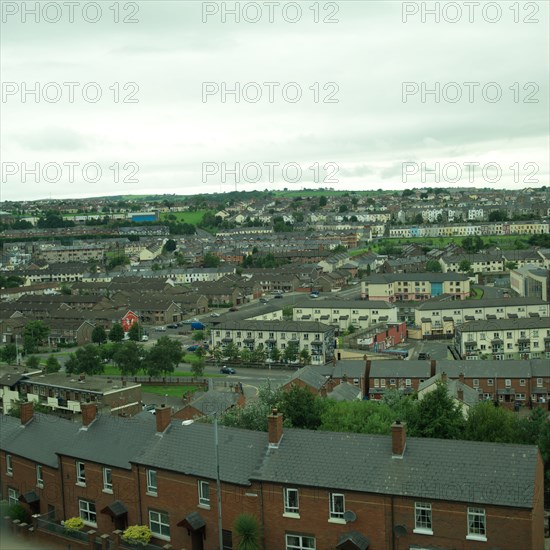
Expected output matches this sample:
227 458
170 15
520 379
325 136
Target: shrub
73 524
18 511
248 531
137 533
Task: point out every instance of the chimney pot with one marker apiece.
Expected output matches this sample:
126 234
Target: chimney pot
275 428
398 439
444 377
461 377
26 412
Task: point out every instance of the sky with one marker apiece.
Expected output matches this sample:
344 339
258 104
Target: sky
145 112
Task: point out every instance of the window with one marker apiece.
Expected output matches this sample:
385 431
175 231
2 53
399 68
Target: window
291 501
299 542
382 382
337 506
508 382
107 480
489 381
508 335
152 482
13 496
87 512
475 382
522 381
9 465
159 524
39 477
81 473
539 382
204 493
423 518
476 524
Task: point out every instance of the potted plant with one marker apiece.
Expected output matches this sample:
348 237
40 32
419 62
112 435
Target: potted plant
73 524
137 534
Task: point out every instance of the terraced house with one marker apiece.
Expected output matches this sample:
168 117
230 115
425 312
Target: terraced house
504 339
316 338
307 489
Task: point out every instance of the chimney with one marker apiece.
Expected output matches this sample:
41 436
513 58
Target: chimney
323 391
26 412
275 428
444 377
89 413
398 439
432 367
460 393
461 378
163 415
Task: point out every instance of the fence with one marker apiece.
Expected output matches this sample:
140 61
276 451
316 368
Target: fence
58 529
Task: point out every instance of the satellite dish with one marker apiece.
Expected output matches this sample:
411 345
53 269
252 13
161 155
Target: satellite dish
349 516
400 531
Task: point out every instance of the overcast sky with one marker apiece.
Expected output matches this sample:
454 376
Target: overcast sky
167 135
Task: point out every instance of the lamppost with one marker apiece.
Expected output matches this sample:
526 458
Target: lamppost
218 483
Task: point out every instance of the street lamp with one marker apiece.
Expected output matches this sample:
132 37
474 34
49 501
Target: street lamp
218 483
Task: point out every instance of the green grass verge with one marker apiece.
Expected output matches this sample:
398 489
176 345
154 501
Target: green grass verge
111 370
172 391
478 294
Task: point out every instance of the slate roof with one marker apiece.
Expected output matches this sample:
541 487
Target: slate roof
310 376
483 302
190 449
431 469
506 324
212 401
345 392
288 326
400 369
342 304
351 368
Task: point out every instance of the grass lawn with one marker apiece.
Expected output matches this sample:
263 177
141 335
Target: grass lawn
185 217
478 294
111 370
173 391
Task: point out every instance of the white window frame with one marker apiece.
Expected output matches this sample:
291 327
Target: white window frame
423 523
477 532
9 465
160 519
204 493
335 515
289 510
87 512
80 473
301 544
107 480
39 476
13 496
152 484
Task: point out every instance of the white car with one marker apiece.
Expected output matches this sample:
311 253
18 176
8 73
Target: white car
145 338
214 315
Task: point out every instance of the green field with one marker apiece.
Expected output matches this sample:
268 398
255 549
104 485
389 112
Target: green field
185 217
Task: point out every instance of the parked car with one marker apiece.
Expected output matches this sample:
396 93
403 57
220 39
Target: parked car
214 315
422 356
172 325
193 348
233 309
228 370
279 296
144 338
160 329
263 300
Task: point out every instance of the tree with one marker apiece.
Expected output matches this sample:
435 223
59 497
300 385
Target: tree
433 266
99 336
305 357
302 408
116 334
231 351
34 335
259 355
88 360
418 219
9 353
32 362
247 531
322 201
436 415
134 333
486 422
291 352
465 266
498 216
369 417
129 358
163 357
210 260
170 245
52 365
197 368
275 354
511 265
216 353
198 335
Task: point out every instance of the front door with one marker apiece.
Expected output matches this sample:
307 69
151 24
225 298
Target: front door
196 540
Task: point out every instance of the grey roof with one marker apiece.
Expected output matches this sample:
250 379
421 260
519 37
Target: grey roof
190 449
360 541
432 469
95 384
400 369
495 368
276 326
505 324
317 303
111 440
345 392
431 277
349 368
483 302
310 376
212 401
469 396
35 440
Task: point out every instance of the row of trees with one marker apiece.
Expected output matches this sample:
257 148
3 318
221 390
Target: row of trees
260 354
130 357
436 415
